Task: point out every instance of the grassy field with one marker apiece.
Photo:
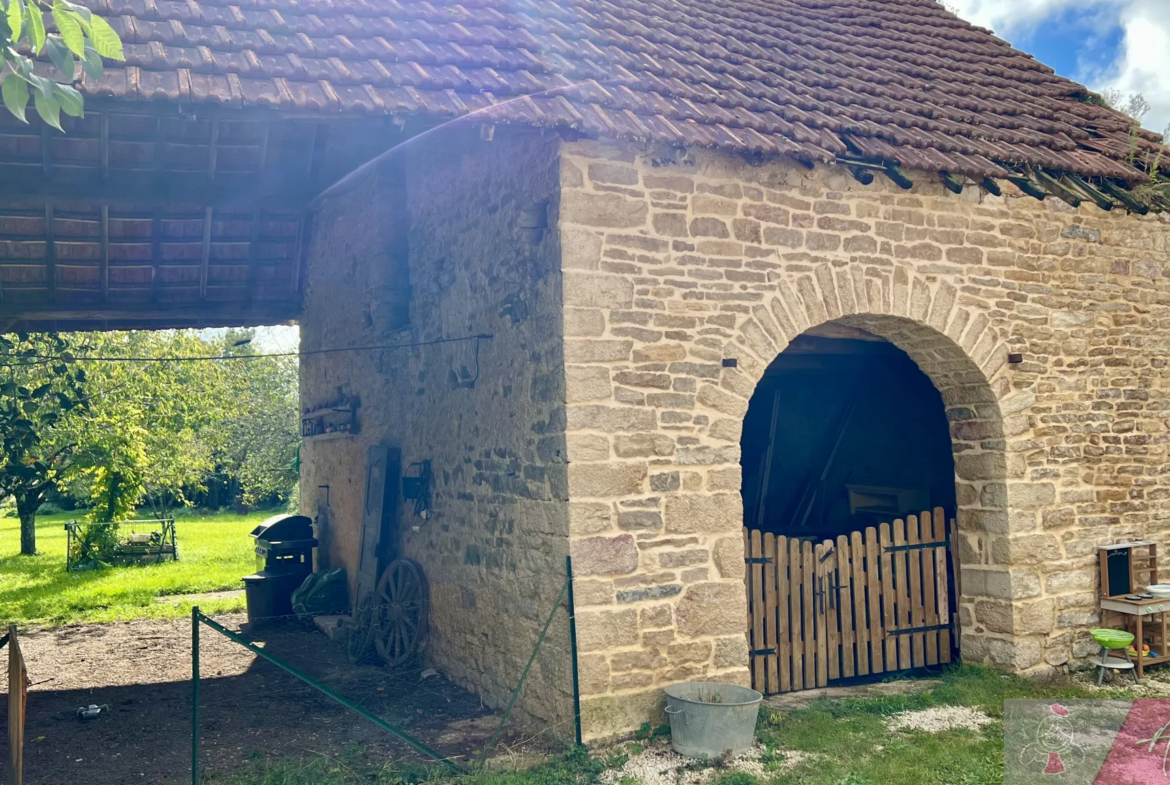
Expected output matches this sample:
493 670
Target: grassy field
214 553
846 743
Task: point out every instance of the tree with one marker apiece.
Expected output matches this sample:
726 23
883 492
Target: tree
257 442
37 400
142 437
81 36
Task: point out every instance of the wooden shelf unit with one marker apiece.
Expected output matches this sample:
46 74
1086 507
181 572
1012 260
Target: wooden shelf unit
1127 568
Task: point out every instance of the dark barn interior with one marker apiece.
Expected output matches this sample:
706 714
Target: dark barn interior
844 431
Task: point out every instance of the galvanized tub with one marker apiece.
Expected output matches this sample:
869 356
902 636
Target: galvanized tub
709 719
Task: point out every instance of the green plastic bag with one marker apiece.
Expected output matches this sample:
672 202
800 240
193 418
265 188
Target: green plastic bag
322 593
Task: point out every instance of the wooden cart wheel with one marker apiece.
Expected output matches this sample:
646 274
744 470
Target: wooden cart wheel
359 642
401 616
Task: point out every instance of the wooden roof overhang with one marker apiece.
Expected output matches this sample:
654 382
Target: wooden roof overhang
155 216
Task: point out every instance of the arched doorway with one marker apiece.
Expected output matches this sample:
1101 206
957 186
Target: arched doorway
850 494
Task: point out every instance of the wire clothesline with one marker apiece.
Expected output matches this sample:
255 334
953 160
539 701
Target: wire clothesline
70 358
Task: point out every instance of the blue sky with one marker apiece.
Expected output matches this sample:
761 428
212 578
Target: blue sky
1121 45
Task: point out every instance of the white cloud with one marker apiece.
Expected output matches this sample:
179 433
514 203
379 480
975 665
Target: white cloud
1142 64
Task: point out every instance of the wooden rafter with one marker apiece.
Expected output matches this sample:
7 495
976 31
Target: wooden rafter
50 254
104 260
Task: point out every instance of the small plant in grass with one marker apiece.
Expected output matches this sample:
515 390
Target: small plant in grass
734 778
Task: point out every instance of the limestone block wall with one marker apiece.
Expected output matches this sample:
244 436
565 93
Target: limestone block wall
489 418
675 261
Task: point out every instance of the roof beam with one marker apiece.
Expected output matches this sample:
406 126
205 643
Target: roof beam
1029 187
1056 188
895 173
1103 201
991 186
276 193
283 311
1125 197
952 183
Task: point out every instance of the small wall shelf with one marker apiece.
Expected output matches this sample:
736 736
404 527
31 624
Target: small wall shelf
332 420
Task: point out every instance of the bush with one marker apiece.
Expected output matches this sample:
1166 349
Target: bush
49 508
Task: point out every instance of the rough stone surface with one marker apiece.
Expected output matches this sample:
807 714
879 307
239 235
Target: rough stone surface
494 546
601 413
1053 456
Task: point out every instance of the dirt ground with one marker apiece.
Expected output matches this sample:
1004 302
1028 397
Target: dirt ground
250 708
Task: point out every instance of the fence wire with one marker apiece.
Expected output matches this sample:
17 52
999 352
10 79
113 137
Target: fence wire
302 694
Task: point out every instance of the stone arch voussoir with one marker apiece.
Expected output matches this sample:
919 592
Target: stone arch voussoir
955 343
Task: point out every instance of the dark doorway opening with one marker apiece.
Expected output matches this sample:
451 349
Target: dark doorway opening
844 431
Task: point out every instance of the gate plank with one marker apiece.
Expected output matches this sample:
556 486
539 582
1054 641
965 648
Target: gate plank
860 622
873 578
771 641
902 599
757 570
809 572
785 646
916 606
943 580
930 589
796 581
889 622
832 607
845 605
820 610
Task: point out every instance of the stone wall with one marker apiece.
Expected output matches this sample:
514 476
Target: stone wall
489 416
676 261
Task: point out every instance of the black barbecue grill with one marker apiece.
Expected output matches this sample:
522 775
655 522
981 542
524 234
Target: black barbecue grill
284 558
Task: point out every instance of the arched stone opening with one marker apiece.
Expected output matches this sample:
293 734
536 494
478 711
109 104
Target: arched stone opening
955 345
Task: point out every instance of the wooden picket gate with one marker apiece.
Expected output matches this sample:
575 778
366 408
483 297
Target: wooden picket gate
871 602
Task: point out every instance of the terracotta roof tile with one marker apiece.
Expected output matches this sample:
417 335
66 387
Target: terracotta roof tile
899 80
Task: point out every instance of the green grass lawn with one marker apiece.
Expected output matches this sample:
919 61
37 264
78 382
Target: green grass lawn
846 741
214 553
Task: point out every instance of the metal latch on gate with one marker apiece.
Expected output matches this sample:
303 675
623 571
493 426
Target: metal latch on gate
916 546
910 630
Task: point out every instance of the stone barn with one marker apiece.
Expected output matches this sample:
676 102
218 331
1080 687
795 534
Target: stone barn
838 299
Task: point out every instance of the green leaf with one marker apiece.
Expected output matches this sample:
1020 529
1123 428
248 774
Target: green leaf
36 22
50 110
92 63
105 40
71 101
61 57
15 15
70 29
15 94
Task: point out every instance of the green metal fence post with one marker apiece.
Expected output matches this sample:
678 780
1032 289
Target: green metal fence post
195 695
573 650
524 676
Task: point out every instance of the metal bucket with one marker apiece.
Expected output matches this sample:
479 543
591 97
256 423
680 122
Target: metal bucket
710 720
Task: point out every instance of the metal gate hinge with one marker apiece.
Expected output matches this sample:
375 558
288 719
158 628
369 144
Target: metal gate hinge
758 560
760 652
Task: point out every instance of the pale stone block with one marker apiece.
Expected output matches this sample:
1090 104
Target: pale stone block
604 555
606 481
587 383
707 609
704 513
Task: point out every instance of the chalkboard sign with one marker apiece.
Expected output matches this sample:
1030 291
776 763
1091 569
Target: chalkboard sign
1118 566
